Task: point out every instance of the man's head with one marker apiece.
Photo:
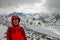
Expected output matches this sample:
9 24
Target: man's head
15 20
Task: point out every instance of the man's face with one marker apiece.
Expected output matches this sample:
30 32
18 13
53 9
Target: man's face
15 21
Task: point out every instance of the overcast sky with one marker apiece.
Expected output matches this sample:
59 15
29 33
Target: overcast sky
33 6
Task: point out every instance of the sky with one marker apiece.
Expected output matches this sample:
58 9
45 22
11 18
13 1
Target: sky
29 6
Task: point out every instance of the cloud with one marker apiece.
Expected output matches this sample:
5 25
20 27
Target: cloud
8 3
29 6
19 5
36 7
53 5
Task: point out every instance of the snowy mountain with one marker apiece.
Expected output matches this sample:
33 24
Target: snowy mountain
46 18
16 13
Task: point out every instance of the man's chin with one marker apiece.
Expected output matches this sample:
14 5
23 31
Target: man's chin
16 24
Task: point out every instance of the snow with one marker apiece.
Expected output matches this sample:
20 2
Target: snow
2 31
50 30
31 34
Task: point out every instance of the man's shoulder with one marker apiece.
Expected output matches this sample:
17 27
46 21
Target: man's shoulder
9 29
21 27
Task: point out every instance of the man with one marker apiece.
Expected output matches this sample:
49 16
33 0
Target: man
16 32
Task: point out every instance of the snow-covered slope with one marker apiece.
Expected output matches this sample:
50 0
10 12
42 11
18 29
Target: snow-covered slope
54 32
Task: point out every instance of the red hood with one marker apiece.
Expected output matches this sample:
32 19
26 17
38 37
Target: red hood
14 17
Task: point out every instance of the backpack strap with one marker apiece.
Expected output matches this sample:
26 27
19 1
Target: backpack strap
9 31
22 30
23 33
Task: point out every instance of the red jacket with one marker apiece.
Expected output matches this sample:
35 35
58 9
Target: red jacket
16 33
